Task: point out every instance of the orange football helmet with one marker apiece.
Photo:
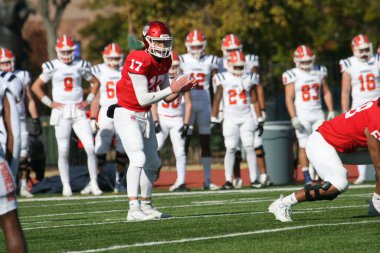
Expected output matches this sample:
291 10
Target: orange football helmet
65 48
112 55
230 42
361 47
236 63
196 43
7 60
304 58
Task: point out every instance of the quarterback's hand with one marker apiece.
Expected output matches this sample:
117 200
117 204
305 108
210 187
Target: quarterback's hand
296 123
94 125
82 105
157 127
56 105
330 115
184 130
36 129
215 122
260 126
182 84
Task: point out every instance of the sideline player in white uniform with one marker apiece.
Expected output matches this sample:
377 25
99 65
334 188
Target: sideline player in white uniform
9 221
202 68
7 64
144 82
230 43
109 74
238 93
360 79
303 100
168 120
68 107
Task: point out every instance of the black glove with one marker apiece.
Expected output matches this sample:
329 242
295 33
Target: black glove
260 128
157 127
36 128
184 130
111 110
214 123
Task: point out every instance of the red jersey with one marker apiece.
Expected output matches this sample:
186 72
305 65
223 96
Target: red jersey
141 63
346 132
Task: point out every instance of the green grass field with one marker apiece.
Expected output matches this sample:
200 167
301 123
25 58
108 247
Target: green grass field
223 221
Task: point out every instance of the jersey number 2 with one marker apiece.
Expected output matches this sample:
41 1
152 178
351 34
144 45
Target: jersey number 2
233 97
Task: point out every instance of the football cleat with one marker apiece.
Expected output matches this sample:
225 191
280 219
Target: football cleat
227 186
66 192
136 214
281 211
237 183
151 211
359 180
372 210
24 193
178 188
86 190
211 187
95 188
256 184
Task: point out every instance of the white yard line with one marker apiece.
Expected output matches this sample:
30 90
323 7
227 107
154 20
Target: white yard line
195 239
173 194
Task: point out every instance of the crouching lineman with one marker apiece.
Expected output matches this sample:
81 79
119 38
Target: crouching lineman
167 118
145 81
9 221
303 100
238 93
108 74
7 64
357 128
68 107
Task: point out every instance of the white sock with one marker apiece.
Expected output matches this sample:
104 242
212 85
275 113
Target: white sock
133 181
23 183
206 162
133 203
290 200
252 165
229 161
146 202
376 201
362 170
181 169
63 168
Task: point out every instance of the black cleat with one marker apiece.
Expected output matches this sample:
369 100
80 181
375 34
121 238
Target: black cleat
227 186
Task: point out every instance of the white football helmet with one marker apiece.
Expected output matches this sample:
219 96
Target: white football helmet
65 48
112 55
236 63
361 47
304 58
7 60
196 44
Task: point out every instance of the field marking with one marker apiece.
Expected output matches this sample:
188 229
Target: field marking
185 240
195 216
176 194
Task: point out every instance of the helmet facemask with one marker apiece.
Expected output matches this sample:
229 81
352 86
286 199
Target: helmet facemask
363 52
7 66
160 47
65 56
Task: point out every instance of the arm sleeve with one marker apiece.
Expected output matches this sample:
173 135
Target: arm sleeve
144 97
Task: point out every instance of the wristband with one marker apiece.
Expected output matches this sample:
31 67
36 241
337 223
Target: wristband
46 101
90 97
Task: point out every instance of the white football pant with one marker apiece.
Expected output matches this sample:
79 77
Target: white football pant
7 188
310 121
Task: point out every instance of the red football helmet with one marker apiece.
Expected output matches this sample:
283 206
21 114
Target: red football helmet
65 49
231 42
158 39
174 69
361 47
304 58
236 63
112 55
196 43
7 60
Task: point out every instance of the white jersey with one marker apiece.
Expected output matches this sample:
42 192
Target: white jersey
25 80
108 78
236 93
66 79
172 109
13 85
201 71
365 78
306 86
3 88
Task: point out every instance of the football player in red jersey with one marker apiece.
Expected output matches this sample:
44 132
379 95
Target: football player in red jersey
145 81
357 128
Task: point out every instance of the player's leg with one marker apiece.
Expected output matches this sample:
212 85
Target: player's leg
179 153
330 169
231 140
247 133
362 172
62 133
104 137
23 165
260 158
237 181
122 164
302 136
131 130
162 136
374 204
190 131
82 129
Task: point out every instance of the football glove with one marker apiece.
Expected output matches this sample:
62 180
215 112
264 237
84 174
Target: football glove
94 125
260 126
331 115
184 130
157 127
296 123
215 122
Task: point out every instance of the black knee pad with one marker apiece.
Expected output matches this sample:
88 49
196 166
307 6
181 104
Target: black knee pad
122 159
317 188
260 153
101 160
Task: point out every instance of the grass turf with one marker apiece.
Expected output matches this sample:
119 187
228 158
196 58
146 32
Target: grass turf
223 221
